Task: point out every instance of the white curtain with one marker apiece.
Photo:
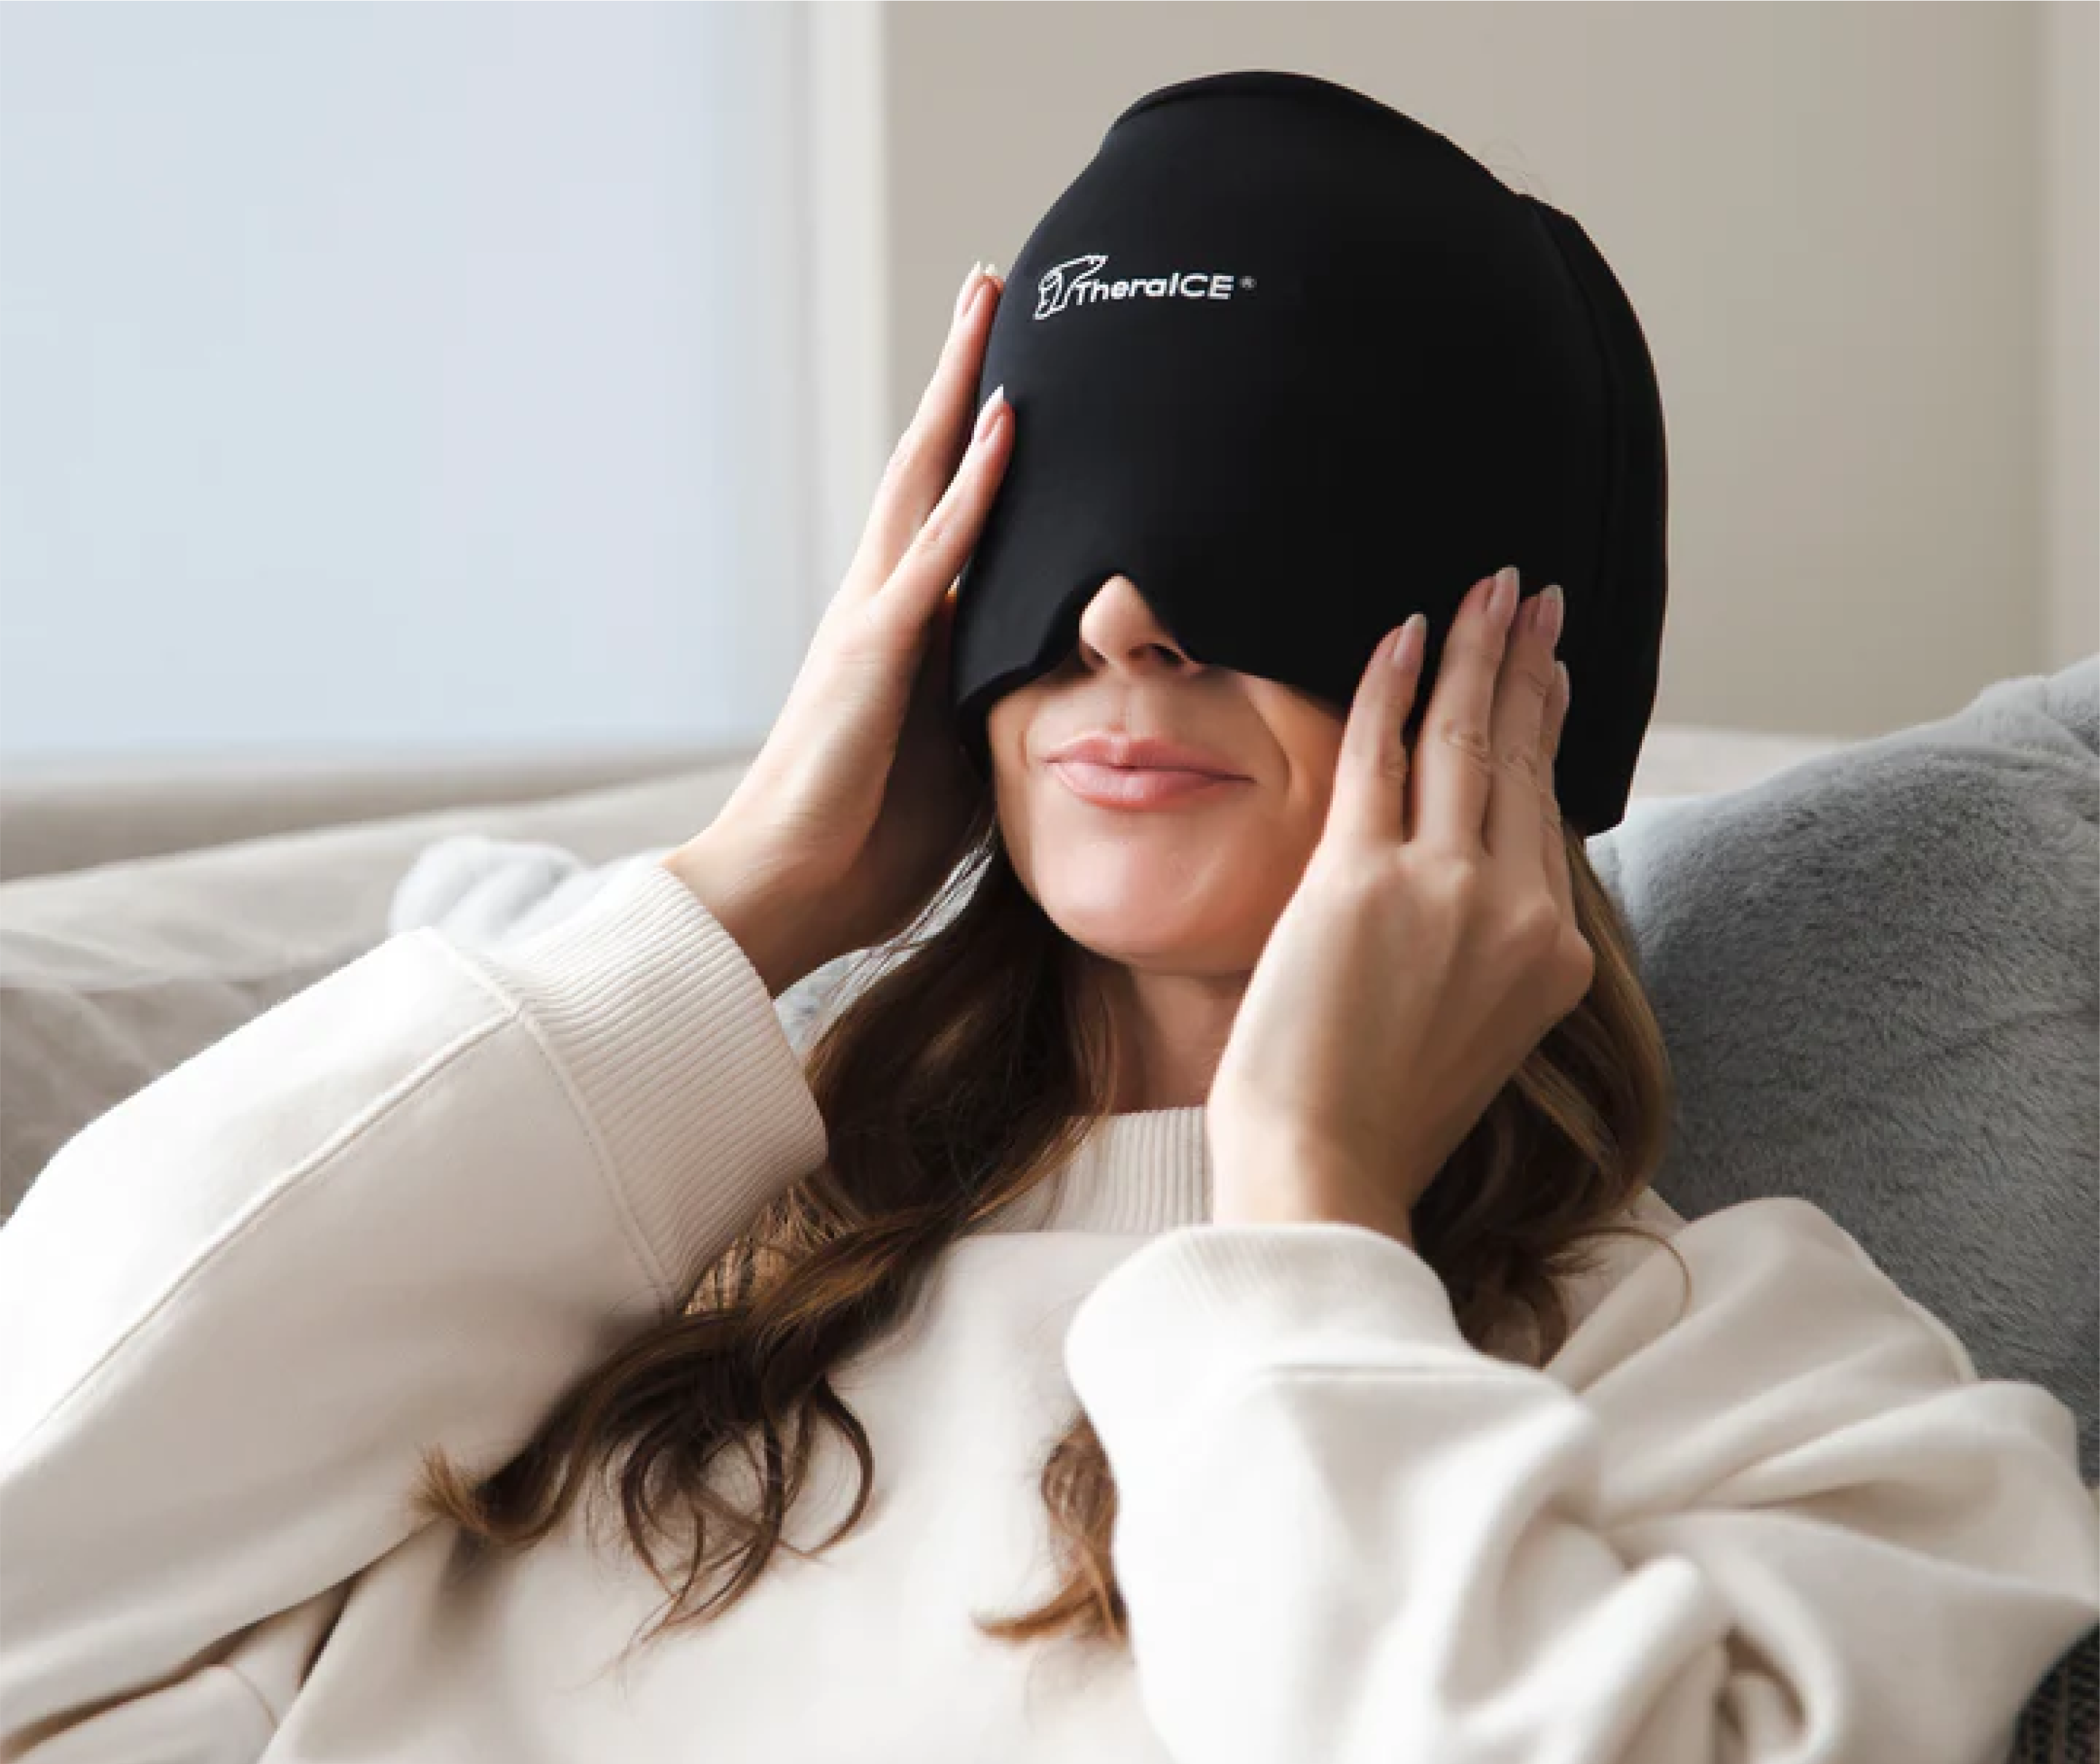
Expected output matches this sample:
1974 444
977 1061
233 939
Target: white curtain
419 377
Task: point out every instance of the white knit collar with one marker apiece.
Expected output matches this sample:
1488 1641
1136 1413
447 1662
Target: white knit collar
1142 1172
1150 1170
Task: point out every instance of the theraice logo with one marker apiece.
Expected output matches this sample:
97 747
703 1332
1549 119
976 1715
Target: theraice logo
1078 281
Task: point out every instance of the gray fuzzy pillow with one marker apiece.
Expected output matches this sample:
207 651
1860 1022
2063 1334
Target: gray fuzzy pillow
1878 977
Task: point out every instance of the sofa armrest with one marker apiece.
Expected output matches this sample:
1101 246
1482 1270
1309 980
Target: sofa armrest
64 816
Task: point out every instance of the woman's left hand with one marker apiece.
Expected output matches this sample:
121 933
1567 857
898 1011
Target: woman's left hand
1430 946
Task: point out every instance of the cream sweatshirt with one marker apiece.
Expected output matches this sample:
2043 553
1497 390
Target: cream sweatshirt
409 1206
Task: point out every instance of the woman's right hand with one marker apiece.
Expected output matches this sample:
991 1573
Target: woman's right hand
856 808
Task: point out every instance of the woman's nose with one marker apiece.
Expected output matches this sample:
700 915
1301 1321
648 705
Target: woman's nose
1118 629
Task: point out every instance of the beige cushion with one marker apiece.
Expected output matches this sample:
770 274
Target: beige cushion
70 815
112 975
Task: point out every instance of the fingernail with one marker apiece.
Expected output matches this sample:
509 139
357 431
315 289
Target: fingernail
1503 595
1408 642
962 293
990 409
1550 614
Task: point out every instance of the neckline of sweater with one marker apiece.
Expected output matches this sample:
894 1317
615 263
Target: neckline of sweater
1145 1171
1149 1170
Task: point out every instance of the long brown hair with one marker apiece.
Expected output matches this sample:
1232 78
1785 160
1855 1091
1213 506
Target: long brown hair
956 1080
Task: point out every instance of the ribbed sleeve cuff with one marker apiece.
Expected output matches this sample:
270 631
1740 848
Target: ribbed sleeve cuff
672 1044
1203 1306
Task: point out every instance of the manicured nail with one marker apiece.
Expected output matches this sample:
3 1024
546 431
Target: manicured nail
1503 596
1408 645
1551 612
962 293
991 410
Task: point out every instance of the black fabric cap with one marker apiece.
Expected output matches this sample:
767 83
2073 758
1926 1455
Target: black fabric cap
1299 366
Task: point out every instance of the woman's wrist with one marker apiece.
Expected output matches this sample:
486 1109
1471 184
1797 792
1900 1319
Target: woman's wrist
770 926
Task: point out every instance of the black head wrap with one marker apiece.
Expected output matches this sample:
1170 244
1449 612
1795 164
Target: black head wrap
1299 366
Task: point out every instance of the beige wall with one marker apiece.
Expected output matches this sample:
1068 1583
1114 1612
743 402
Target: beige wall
1872 319
2069 44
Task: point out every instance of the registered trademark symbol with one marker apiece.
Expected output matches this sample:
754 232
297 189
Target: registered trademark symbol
1247 281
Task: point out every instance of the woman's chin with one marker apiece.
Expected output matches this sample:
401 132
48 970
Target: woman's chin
1144 914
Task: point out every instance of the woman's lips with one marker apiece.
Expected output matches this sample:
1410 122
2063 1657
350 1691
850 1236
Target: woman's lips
1134 786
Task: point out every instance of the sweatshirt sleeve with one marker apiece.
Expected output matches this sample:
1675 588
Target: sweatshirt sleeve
1792 1525
405 1208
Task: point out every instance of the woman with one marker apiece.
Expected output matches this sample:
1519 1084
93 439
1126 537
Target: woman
1200 1300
